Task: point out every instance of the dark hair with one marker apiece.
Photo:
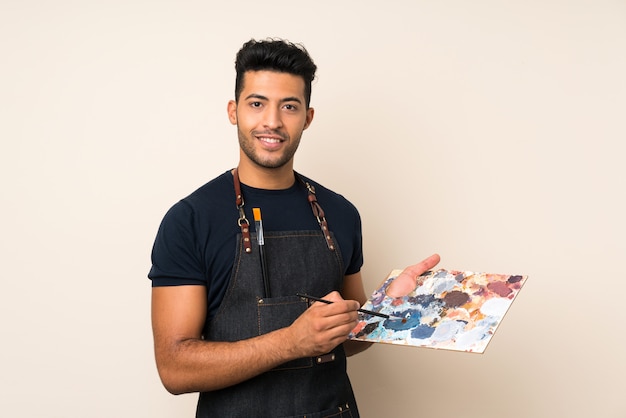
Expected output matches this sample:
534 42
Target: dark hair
275 55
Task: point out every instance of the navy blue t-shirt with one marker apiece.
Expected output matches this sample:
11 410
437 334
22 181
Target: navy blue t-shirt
197 239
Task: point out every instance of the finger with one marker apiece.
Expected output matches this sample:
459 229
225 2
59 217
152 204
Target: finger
333 296
418 269
342 305
406 281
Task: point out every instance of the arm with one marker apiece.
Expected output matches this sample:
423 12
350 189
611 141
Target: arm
187 363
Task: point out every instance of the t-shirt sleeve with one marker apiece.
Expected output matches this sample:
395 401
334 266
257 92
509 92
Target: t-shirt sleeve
176 257
356 261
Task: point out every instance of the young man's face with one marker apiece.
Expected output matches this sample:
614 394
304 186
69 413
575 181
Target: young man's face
270 115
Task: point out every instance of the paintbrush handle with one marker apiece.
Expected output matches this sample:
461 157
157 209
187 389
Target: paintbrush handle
258 222
365 311
266 279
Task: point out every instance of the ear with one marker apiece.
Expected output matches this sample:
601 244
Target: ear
310 112
232 112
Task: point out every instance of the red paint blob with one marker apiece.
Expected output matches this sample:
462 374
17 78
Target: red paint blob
499 288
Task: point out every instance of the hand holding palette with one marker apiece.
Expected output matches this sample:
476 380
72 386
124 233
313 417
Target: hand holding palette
447 309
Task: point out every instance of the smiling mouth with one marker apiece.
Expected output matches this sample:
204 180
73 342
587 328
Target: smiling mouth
270 140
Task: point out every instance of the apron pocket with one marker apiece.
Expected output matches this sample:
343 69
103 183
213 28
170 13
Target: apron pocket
280 312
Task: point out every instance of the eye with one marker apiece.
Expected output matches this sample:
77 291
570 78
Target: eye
256 104
291 107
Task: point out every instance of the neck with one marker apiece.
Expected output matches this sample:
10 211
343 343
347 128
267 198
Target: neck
266 178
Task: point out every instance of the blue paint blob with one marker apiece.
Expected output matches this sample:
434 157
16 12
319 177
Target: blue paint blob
377 298
446 330
422 332
444 286
423 300
411 320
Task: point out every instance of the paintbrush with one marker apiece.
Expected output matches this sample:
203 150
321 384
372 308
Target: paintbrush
365 311
258 223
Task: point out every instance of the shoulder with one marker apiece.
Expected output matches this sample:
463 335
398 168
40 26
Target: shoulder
221 187
215 196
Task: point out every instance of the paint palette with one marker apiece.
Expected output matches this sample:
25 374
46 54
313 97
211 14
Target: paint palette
447 309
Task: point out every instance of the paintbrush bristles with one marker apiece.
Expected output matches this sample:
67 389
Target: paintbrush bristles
257 214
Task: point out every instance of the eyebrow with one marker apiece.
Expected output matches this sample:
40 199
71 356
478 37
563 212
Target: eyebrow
283 100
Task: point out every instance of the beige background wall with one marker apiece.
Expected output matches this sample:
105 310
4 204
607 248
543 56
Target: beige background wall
491 132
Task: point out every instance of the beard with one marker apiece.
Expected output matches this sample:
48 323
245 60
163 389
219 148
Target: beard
274 159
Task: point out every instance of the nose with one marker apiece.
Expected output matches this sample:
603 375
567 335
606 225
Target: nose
272 118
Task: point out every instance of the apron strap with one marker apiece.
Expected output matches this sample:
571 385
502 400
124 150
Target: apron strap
243 222
318 212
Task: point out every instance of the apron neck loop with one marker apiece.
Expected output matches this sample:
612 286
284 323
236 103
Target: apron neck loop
318 212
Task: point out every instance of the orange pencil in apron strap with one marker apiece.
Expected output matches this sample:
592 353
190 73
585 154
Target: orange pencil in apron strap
258 223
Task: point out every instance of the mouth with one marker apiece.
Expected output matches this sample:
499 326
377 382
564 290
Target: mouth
270 140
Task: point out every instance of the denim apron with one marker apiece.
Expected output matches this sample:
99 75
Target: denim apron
305 262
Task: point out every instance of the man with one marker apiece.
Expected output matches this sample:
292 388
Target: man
251 349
